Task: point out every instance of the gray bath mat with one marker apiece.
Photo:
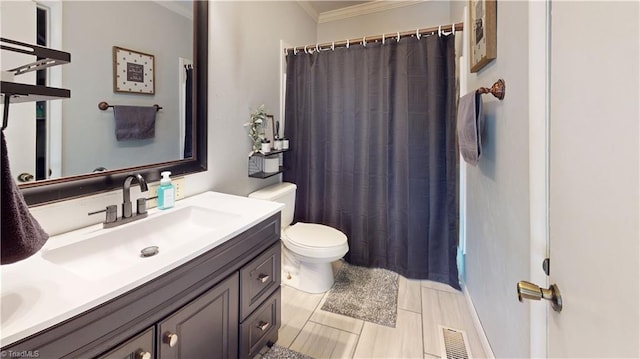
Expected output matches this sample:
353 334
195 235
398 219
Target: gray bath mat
369 294
278 352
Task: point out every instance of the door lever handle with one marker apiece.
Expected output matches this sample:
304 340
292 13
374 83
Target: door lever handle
528 290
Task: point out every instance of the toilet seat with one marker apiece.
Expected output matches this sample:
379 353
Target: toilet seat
315 240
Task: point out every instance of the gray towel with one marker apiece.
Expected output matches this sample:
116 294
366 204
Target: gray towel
22 235
135 122
470 126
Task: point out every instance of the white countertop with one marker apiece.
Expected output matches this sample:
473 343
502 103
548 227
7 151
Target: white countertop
37 293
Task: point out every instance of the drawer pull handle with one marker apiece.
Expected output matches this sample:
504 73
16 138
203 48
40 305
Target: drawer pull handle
263 277
171 339
263 325
141 354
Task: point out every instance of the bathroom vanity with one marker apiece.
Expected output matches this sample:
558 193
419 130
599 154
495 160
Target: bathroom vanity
213 296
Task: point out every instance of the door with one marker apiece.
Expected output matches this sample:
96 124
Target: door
593 178
205 328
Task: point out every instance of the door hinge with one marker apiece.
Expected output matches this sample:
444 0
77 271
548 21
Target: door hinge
545 266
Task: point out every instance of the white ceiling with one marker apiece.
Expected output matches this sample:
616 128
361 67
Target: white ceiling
321 6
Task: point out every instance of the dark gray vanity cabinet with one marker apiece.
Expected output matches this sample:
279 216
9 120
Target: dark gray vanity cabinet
222 304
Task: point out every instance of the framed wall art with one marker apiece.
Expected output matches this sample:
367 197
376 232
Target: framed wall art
482 16
133 71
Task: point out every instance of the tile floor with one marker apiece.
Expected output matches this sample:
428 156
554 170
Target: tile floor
422 306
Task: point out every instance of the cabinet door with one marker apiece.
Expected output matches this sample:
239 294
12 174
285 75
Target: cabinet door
205 328
140 347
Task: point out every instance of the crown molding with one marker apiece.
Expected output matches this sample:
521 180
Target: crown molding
304 4
363 9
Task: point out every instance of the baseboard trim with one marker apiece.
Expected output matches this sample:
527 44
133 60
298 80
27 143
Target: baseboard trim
477 324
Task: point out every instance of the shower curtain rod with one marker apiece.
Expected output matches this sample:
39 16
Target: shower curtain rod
384 37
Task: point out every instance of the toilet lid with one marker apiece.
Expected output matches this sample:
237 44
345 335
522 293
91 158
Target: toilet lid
315 235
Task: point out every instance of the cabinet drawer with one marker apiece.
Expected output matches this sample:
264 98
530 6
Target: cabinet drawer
140 346
260 327
258 279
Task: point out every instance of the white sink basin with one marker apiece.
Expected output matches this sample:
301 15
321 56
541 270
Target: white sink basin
115 250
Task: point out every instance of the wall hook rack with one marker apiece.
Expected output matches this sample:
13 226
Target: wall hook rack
498 90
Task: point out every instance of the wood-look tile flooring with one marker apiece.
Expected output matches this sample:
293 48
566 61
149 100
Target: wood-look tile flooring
422 306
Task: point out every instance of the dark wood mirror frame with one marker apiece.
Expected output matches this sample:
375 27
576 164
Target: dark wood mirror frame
60 189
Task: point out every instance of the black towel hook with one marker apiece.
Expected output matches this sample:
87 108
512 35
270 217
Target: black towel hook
5 115
498 90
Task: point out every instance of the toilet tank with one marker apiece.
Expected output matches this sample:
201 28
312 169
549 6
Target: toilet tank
284 193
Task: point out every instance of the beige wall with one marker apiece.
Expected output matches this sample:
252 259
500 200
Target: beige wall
424 14
498 190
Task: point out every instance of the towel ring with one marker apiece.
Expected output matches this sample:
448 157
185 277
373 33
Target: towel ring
498 90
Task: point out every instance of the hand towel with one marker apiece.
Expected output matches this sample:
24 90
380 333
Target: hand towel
135 122
470 126
21 235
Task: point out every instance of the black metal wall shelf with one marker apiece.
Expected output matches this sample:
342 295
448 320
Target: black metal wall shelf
15 92
19 92
263 175
257 164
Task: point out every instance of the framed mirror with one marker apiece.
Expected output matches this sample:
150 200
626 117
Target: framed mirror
86 136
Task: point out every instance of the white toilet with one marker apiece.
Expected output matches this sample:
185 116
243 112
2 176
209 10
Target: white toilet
308 248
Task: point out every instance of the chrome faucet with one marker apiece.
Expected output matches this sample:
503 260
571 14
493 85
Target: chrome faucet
126 195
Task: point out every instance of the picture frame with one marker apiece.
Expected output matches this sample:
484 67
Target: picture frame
133 71
483 38
268 128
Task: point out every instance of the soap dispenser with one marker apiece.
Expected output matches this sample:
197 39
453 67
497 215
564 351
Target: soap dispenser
166 192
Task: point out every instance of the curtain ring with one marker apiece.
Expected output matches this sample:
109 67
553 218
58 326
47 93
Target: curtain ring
347 43
295 50
439 30
333 45
382 39
364 41
317 49
305 49
418 34
453 29
398 36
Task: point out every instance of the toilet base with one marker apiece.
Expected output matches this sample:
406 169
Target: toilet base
307 277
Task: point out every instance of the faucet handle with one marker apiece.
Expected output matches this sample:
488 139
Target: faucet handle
111 213
141 205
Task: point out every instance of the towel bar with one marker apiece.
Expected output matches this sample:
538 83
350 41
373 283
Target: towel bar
104 106
498 89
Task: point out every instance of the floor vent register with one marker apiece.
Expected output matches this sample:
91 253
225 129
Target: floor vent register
454 343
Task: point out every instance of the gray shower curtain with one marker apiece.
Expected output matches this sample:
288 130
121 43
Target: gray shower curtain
373 151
